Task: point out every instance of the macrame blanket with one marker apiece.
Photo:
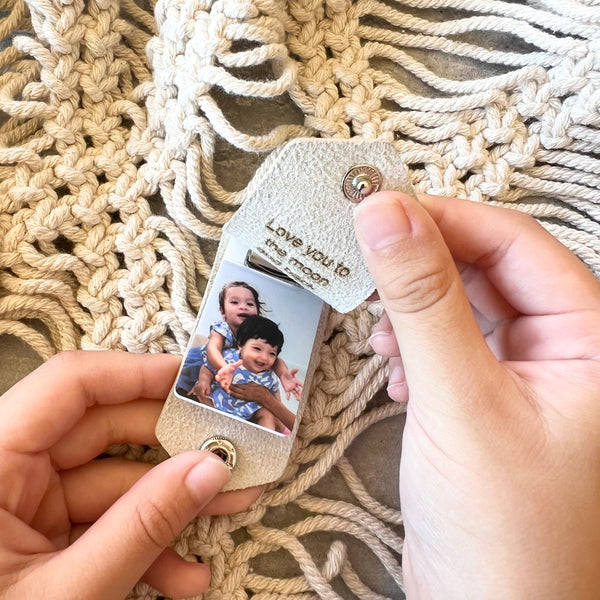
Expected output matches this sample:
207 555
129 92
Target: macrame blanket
129 131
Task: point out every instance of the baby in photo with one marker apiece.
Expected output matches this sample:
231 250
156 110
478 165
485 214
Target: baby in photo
209 368
237 301
259 343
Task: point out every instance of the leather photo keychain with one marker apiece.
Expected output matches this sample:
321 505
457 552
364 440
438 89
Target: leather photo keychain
285 257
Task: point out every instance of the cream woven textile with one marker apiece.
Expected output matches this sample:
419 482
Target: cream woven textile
117 117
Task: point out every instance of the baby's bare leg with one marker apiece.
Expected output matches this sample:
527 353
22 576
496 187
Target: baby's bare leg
265 418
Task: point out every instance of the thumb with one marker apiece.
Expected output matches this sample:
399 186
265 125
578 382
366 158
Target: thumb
418 283
111 557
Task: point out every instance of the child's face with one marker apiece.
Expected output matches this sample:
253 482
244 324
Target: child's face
258 355
239 303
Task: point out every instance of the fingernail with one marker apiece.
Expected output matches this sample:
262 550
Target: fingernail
378 335
380 221
207 478
397 374
397 392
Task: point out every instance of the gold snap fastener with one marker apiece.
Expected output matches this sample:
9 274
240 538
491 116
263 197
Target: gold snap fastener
360 181
223 448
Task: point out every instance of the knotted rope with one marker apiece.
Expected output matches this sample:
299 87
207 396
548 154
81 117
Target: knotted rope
120 123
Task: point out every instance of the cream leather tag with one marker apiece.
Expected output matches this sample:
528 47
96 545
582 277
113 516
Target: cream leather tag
287 254
296 215
284 318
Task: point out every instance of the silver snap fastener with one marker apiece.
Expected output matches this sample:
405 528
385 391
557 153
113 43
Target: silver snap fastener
223 448
360 181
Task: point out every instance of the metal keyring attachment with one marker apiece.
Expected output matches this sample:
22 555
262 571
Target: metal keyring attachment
223 448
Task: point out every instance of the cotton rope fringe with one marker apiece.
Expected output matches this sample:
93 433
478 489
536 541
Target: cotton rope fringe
110 194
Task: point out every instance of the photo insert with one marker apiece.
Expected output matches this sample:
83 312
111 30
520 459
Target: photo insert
249 354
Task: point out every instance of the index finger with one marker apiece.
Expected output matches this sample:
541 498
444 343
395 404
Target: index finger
38 411
534 272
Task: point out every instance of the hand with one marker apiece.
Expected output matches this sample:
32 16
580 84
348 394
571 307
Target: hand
499 470
202 388
254 392
73 527
290 384
201 392
224 375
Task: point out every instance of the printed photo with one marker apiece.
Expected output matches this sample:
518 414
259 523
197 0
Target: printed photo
250 351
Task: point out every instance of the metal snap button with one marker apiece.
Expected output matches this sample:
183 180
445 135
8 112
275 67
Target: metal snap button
360 181
223 448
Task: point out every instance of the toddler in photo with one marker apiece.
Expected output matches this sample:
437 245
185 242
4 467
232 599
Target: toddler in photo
237 301
259 343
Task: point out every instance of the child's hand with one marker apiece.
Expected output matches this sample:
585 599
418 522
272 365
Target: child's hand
74 527
499 470
202 388
290 384
224 375
201 392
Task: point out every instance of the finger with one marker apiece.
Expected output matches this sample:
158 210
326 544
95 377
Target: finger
140 525
238 391
489 304
103 426
397 388
227 370
90 490
247 391
234 501
50 401
382 340
489 308
77 530
176 577
532 270
528 338
170 573
548 337
425 300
